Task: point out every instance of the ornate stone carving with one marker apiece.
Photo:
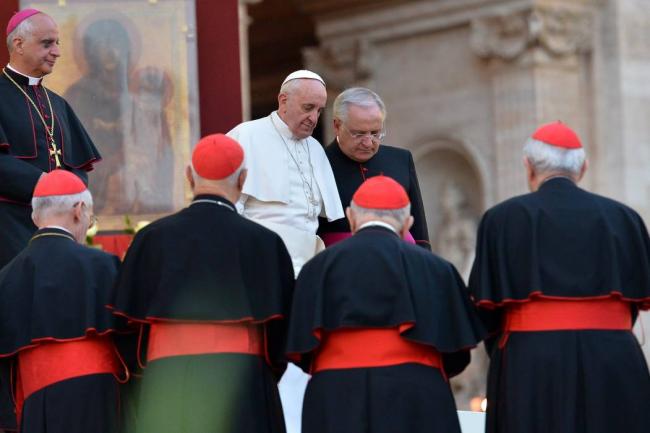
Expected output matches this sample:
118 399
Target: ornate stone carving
543 32
344 63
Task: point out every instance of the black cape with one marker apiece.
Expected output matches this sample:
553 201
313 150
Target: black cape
376 280
388 161
207 263
564 242
24 155
56 289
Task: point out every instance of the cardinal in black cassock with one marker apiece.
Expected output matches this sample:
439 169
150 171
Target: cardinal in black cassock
356 155
212 290
55 328
381 324
560 275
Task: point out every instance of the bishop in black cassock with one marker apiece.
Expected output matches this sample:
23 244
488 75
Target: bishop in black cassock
211 292
356 155
381 324
560 275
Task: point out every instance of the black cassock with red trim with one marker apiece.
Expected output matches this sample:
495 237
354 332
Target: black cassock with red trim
209 271
583 369
25 154
53 298
374 281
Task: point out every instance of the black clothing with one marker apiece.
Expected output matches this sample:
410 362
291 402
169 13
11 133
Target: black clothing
25 155
208 264
388 161
57 289
375 280
565 243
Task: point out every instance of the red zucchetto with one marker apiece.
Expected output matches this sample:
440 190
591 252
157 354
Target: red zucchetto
59 182
217 156
557 134
381 192
19 17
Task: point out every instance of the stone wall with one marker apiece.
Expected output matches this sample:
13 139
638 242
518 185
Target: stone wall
466 81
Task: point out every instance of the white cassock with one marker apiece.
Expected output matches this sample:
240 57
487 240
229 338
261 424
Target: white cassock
289 185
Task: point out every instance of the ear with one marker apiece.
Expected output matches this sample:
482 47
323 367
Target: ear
282 100
78 211
17 44
408 223
242 179
530 174
583 170
337 126
349 213
190 177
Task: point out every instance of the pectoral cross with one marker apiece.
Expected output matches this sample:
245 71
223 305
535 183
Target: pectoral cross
56 153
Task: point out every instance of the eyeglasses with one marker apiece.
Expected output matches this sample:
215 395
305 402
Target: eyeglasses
93 221
359 136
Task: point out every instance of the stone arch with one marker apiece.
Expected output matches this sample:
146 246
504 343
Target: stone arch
454 196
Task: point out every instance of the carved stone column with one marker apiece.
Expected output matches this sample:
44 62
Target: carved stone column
537 57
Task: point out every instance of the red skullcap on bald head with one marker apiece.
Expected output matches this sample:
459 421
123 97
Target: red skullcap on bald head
557 134
381 192
59 182
19 17
217 156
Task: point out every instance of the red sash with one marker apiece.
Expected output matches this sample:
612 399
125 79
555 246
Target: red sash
567 314
356 348
52 362
178 339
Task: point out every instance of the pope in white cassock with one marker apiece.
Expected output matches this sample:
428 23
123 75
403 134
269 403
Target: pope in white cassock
290 181
289 185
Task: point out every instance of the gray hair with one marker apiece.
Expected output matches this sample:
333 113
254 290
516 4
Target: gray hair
395 216
23 30
359 96
231 180
546 158
59 204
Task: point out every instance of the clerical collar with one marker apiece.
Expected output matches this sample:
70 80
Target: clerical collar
282 127
378 224
213 199
557 176
33 81
53 231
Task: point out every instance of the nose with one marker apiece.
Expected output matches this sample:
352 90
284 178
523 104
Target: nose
55 51
313 116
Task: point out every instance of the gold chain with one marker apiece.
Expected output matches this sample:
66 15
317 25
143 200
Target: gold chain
50 131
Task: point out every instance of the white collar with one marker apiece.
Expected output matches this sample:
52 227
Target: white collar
33 81
378 223
57 227
282 127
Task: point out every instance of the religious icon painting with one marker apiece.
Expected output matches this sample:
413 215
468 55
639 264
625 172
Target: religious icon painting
129 70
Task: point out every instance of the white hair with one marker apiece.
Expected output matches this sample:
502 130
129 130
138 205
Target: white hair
359 96
396 216
23 30
231 180
546 158
59 204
